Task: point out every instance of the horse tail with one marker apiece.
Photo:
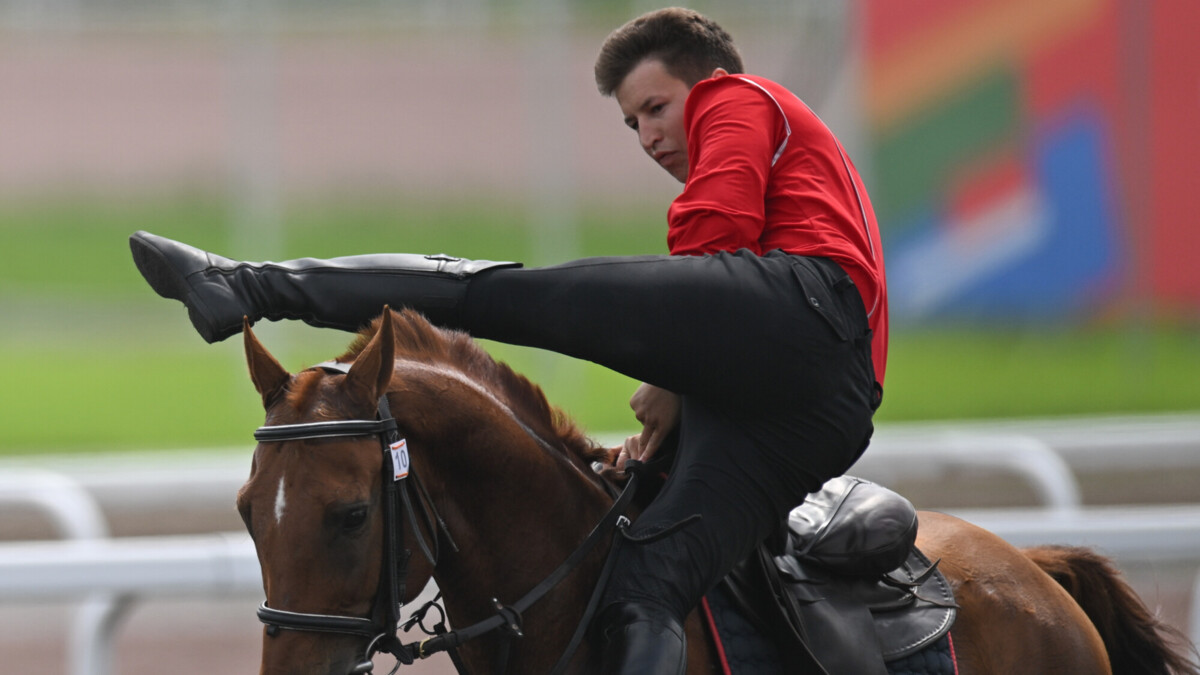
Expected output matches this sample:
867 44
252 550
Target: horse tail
1138 641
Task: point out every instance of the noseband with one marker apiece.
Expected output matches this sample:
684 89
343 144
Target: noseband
393 575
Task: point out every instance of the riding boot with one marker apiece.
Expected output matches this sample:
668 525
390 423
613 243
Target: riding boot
640 639
344 293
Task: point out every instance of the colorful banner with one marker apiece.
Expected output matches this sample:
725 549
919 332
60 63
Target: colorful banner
1035 158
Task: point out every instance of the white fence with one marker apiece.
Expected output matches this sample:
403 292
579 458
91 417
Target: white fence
113 573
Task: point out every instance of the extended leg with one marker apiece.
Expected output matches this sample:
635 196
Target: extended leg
343 293
737 326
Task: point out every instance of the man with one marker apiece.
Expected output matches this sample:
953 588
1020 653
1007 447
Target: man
761 339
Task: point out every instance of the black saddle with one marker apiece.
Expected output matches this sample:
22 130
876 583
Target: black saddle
847 591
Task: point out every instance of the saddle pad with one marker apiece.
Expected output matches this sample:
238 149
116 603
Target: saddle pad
936 659
744 650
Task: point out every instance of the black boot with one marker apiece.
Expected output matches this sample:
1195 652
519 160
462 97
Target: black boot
343 293
640 639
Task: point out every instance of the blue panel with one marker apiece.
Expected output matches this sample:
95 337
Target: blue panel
1070 268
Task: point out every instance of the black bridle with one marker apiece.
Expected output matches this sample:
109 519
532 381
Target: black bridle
395 476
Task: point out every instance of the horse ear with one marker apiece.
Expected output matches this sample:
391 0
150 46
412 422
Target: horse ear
268 376
372 368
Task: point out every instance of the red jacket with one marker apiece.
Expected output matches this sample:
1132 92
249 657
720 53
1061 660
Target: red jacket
765 173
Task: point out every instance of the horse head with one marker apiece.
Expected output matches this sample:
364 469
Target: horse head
315 507
508 472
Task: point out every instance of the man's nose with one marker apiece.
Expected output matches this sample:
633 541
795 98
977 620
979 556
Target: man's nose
649 136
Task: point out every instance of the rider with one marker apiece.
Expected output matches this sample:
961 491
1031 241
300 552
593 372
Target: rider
761 338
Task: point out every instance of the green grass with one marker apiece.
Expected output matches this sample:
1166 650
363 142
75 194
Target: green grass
993 372
96 361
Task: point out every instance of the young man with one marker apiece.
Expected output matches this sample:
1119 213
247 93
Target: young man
762 338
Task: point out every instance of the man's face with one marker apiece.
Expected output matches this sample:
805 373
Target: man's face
652 101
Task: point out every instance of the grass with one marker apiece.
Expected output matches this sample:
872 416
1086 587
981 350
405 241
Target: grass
990 372
96 361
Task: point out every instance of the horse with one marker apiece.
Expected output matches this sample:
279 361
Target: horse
508 491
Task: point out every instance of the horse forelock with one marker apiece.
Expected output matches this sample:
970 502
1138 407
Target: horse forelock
307 399
418 341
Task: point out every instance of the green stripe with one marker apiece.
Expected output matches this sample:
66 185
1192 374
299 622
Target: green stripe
917 162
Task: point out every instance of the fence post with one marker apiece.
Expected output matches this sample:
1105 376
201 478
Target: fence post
77 517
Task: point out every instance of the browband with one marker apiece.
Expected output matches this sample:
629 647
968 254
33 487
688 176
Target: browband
298 432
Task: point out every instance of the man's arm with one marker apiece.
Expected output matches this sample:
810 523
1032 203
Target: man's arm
734 132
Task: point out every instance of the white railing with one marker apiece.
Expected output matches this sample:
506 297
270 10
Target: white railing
222 564
892 459
1143 533
1165 441
219 564
1044 453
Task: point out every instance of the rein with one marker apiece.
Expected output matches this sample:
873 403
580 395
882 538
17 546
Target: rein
395 475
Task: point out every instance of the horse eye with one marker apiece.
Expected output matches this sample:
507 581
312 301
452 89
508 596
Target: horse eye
354 518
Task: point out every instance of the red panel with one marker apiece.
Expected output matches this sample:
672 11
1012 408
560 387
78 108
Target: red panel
1175 147
1081 63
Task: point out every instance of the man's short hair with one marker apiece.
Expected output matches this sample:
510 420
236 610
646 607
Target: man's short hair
688 43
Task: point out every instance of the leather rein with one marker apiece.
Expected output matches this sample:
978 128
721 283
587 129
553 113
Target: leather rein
397 478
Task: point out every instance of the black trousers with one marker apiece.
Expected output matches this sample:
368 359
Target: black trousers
771 356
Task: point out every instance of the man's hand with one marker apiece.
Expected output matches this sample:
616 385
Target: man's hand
658 411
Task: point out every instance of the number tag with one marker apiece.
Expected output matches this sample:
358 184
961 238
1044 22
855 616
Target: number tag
399 451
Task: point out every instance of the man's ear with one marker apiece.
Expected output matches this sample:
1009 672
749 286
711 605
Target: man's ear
718 72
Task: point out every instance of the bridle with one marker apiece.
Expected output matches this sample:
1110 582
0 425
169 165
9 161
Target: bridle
396 476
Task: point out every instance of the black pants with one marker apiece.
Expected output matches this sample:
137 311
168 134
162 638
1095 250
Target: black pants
771 356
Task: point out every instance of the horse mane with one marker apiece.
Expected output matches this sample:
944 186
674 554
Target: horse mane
418 340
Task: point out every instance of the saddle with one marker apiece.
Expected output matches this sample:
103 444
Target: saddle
846 591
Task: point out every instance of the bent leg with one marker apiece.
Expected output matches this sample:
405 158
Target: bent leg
657 582
741 476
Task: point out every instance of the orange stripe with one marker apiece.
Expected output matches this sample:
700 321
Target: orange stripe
943 56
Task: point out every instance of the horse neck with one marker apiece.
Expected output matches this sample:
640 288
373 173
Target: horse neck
516 508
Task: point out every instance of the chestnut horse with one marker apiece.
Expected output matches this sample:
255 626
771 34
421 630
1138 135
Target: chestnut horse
511 480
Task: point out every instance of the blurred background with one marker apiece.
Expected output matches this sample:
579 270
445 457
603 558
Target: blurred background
1030 162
